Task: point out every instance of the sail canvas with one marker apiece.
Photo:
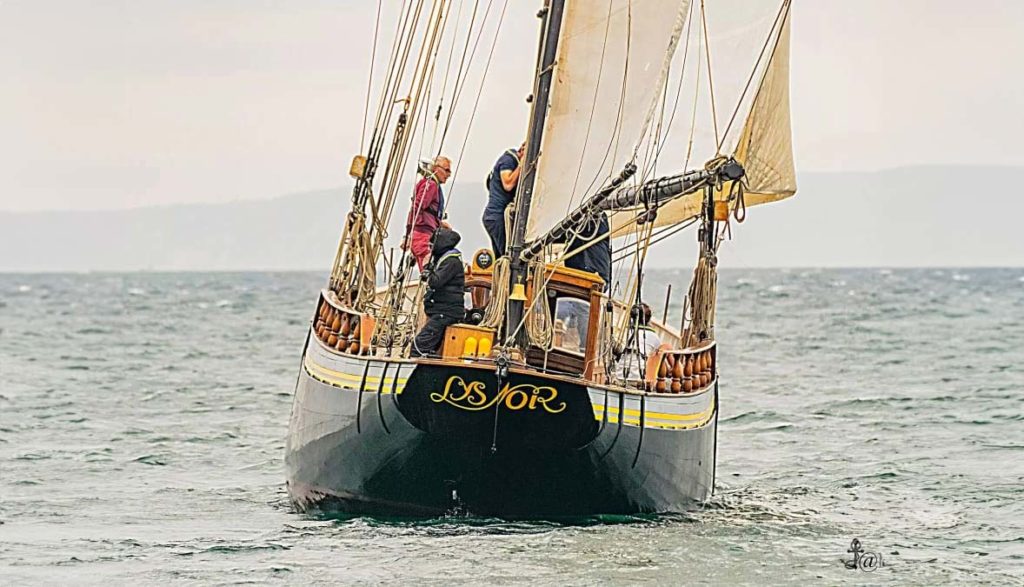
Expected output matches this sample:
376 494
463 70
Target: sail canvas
666 86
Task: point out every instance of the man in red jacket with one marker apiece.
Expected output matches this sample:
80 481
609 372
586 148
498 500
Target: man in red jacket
427 211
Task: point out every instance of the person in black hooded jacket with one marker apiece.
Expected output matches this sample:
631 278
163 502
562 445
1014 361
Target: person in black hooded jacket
444 299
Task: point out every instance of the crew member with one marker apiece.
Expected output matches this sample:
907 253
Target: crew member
427 211
643 343
597 258
444 299
501 190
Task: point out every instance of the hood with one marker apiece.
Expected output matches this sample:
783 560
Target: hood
445 240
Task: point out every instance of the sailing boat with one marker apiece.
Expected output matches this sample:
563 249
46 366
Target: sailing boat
529 412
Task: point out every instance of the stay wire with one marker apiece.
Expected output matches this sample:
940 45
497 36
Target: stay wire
434 147
711 81
617 128
461 83
782 15
664 233
593 104
476 104
369 83
679 86
389 89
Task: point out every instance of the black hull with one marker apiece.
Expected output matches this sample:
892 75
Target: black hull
375 444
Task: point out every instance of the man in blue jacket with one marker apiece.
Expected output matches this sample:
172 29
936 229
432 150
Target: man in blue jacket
444 301
501 190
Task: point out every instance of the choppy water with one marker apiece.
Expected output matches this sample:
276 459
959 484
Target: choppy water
142 424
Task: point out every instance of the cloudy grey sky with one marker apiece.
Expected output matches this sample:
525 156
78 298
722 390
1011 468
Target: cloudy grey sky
117 103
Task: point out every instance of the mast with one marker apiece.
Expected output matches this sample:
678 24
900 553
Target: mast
552 14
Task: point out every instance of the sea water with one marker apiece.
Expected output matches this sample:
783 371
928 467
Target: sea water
143 417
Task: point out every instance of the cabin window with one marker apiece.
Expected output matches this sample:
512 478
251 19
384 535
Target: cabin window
572 318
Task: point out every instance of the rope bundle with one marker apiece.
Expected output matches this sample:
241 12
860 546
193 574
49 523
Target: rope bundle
494 315
539 325
702 295
353 276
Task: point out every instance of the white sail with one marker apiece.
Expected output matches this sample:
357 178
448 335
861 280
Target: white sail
727 94
763 144
765 147
611 63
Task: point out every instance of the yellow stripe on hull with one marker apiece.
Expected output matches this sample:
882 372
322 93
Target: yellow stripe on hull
658 419
339 379
631 417
650 414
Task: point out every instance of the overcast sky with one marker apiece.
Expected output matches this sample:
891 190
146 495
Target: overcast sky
110 104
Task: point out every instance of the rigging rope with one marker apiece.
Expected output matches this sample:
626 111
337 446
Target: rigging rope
593 104
664 233
424 81
679 87
702 295
369 83
539 327
782 15
703 290
390 323
696 97
434 146
476 104
413 107
460 80
711 81
389 91
494 314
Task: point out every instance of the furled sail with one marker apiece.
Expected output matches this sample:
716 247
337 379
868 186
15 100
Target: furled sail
666 85
610 67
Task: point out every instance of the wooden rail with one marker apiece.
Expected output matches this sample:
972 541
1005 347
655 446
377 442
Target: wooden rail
343 330
682 371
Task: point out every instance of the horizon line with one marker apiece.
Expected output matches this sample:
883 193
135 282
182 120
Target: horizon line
304 191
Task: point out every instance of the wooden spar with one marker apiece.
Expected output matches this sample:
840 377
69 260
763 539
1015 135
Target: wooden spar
653 192
709 219
552 14
668 298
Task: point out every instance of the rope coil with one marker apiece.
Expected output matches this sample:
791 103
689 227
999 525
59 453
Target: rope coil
539 324
494 314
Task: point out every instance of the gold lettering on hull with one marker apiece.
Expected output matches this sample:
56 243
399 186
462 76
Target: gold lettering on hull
472 396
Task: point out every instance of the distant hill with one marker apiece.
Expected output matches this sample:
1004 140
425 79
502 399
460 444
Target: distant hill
906 217
292 232
920 216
